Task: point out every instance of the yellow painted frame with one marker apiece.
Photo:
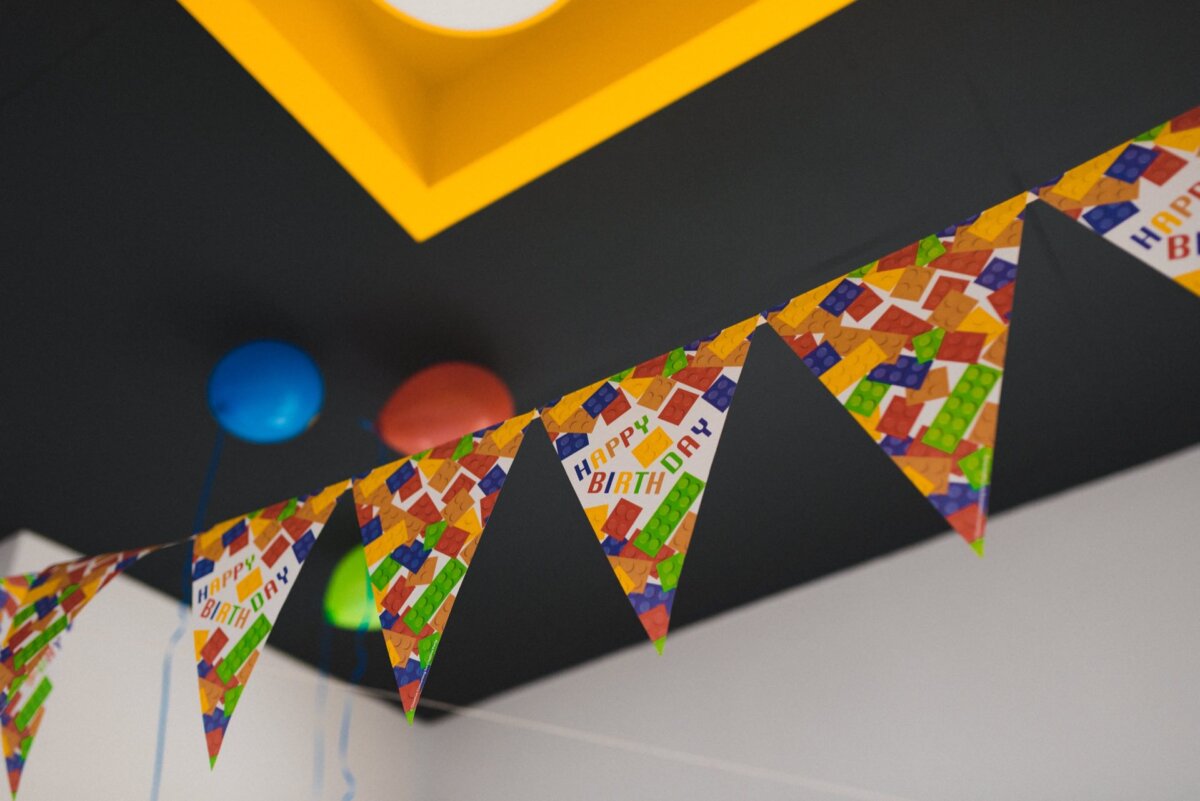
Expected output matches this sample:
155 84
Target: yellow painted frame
437 125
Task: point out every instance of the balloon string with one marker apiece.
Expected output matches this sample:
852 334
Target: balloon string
360 668
318 781
184 607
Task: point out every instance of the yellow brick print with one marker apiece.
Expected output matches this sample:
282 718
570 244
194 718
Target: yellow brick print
429 467
919 481
469 523
627 583
636 386
198 640
1076 182
596 515
651 447
1190 281
885 280
570 403
992 222
1188 140
511 428
729 339
801 306
365 487
980 322
857 364
391 539
247 586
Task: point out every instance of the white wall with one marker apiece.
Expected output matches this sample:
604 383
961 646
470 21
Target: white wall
1062 666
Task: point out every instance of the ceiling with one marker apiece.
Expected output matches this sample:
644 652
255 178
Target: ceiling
158 208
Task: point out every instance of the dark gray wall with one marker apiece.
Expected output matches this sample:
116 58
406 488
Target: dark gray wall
158 207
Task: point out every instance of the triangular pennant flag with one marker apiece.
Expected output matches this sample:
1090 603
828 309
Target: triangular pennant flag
421 519
45 607
637 448
913 346
242 572
1143 196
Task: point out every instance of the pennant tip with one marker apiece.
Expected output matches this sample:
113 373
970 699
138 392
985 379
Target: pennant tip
977 546
410 715
660 643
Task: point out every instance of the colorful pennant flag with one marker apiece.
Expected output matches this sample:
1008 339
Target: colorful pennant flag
242 572
421 519
1144 196
45 607
913 346
638 448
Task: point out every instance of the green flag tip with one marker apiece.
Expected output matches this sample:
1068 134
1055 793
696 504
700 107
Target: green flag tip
977 546
660 643
212 763
410 715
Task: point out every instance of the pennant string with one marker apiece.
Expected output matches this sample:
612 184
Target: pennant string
210 477
643 749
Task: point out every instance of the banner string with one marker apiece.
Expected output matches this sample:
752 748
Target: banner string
184 608
646 749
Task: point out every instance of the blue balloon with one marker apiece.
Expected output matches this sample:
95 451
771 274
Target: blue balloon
265 391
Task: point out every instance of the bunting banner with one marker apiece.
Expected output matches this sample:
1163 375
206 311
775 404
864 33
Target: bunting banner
45 607
638 447
242 572
1143 196
913 346
421 519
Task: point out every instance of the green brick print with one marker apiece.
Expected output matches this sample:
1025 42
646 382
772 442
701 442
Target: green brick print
866 396
433 533
22 616
669 570
382 576
927 345
929 249
435 594
959 411
621 376
1150 134
253 637
289 510
25 716
26 654
676 361
977 467
416 457
232 697
662 524
426 648
464 447
864 270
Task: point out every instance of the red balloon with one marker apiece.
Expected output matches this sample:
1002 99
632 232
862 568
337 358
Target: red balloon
441 403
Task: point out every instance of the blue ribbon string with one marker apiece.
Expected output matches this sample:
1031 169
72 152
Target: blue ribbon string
184 607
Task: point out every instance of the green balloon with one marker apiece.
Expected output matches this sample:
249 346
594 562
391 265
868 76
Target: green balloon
348 600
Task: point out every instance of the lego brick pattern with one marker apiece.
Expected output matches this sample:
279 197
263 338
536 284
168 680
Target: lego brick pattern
918 369
640 473
1144 197
421 519
242 572
43 607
